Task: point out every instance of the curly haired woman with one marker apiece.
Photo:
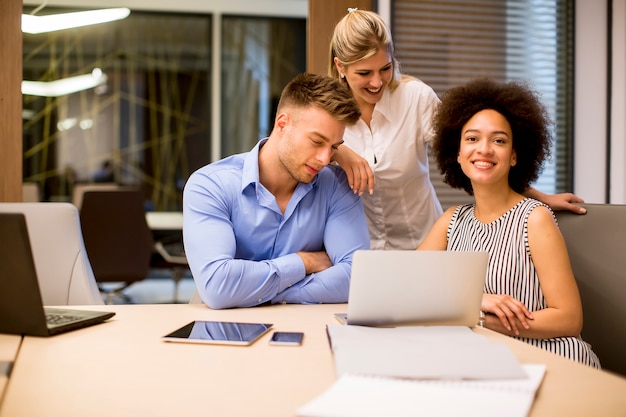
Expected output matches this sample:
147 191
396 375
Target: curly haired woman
491 140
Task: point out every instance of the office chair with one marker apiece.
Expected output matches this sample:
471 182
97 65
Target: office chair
596 243
170 254
63 269
117 238
80 189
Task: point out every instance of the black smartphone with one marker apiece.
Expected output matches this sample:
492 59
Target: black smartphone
287 338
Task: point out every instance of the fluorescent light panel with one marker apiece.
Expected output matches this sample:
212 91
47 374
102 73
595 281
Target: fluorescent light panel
50 23
64 86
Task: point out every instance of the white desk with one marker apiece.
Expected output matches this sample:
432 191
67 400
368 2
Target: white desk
9 347
122 368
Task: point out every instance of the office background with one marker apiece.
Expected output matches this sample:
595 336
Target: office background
599 150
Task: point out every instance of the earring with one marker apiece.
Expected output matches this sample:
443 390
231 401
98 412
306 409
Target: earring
343 76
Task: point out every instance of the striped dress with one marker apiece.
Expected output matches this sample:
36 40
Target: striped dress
511 270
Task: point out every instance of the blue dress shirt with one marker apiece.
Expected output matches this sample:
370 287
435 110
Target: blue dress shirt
242 249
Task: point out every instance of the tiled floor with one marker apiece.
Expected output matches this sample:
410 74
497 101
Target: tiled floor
158 289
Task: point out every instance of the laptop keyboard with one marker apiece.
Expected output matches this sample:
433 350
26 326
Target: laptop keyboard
56 319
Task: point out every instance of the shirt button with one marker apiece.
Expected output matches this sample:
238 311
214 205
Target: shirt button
260 300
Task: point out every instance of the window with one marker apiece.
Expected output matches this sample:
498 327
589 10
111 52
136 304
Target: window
448 42
259 57
149 125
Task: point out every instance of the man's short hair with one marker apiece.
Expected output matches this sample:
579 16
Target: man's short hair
322 92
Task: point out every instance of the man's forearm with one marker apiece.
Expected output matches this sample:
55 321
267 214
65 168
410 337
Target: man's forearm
241 283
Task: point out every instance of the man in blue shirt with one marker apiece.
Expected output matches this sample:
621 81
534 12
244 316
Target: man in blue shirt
276 224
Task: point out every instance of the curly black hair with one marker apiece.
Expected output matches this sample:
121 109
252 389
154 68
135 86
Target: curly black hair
522 108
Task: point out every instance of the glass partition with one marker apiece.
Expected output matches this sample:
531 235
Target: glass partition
149 121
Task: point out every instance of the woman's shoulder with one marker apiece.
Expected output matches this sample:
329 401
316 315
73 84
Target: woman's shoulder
463 208
460 213
411 84
536 212
530 204
413 93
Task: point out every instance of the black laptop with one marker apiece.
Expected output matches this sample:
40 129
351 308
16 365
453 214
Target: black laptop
21 307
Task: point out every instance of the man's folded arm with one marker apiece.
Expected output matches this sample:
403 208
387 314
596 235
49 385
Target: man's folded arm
221 280
345 232
241 283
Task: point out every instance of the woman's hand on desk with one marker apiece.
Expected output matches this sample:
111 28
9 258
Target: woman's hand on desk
505 314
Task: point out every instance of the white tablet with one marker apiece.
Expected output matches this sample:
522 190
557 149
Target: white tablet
219 332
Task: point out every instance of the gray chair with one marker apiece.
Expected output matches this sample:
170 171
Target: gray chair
63 268
596 243
172 254
169 253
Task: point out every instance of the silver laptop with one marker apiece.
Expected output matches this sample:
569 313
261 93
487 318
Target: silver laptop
415 287
21 307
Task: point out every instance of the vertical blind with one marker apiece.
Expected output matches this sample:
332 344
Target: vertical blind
448 42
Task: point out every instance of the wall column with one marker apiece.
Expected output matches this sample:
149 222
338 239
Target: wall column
11 100
323 16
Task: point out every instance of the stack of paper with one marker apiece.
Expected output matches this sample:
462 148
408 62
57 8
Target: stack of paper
367 396
424 371
423 352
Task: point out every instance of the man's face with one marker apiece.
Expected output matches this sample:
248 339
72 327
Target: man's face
310 138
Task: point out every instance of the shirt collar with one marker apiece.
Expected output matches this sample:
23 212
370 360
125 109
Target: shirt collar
384 105
250 175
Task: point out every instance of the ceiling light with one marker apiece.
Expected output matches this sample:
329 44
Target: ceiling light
28 114
66 124
64 86
49 23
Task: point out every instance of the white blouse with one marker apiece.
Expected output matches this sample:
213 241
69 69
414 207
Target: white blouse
404 205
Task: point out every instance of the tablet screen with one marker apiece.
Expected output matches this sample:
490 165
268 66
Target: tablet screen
219 332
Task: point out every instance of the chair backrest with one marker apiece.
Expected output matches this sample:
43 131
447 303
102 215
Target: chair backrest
63 269
80 189
117 237
596 243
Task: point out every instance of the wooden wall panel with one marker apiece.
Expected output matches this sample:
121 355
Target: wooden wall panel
10 100
323 15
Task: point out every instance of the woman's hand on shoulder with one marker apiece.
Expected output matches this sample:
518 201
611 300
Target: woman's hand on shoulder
564 201
360 175
558 202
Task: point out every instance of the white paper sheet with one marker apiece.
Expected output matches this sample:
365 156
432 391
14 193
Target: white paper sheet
366 396
420 352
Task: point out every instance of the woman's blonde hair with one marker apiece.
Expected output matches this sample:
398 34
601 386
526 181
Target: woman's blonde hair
359 35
